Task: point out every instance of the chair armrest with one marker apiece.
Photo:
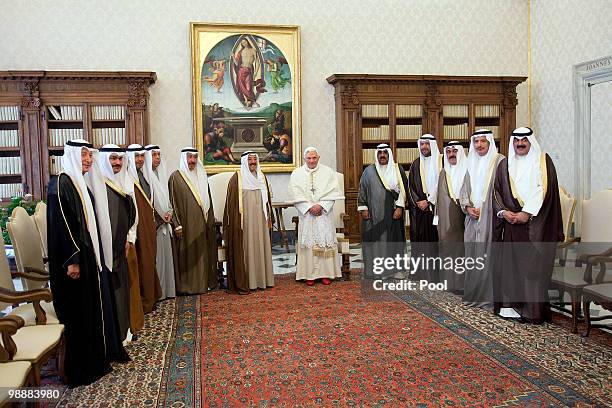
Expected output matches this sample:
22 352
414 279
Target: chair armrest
41 272
8 327
39 278
601 260
567 243
30 296
586 257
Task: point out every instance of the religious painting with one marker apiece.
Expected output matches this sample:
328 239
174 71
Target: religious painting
246 95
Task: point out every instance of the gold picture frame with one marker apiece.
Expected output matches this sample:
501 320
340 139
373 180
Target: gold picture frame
246 87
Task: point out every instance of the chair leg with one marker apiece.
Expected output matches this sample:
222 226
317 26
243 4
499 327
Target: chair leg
575 310
220 277
587 316
346 267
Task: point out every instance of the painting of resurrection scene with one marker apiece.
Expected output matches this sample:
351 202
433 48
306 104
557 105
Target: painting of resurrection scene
247 102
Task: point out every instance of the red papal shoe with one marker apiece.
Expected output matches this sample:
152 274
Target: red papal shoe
325 281
310 282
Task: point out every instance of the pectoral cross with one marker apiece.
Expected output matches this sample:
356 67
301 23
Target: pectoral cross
313 189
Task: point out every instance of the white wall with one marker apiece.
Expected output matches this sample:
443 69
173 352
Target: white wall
565 33
447 37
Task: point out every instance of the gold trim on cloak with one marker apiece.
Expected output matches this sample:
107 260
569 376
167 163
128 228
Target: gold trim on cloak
137 184
492 166
114 187
400 181
193 192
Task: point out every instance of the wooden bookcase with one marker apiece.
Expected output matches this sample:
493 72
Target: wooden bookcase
43 109
397 109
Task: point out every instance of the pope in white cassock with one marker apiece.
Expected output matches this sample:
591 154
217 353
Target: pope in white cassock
313 188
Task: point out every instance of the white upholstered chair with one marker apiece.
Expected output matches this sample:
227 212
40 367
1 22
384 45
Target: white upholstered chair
568 206
340 217
28 257
40 220
595 239
218 184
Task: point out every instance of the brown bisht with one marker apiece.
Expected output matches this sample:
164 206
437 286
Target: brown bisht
196 251
524 262
146 248
248 250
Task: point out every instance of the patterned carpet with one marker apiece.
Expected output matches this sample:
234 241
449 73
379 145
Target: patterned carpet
327 346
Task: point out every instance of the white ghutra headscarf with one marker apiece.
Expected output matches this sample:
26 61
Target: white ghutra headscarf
251 182
197 177
387 171
526 171
456 172
480 167
158 180
430 167
73 167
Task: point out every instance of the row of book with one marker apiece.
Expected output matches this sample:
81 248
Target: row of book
55 165
103 136
11 190
486 111
10 165
408 111
113 112
58 137
9 138
65 112
455 111
9 113
408 132
456 132
375 133
375 111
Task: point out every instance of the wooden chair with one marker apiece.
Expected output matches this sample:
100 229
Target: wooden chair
340 217
40 220
13 374
602 295
218 184
597 230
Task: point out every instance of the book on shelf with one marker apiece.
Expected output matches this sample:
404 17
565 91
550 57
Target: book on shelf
59 137
104 136
54 113
9 113
55 165
368 156
406 155
456 132
11 190
375 111
110 112
486 111
455 111
69 112
375 133
9 138
408 132
408 111
10 165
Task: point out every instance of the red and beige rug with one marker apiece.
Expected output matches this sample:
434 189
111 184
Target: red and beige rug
329 346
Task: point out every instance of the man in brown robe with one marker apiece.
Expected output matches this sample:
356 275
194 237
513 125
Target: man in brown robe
450 217
247 221
194 222
529 225
146 235
422 196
